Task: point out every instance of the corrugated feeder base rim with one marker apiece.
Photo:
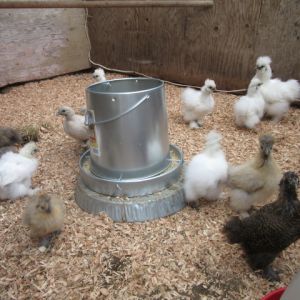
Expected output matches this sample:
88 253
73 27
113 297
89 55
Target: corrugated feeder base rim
134 209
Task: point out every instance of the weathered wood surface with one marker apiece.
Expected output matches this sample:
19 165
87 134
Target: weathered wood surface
41 43
188 45
99 3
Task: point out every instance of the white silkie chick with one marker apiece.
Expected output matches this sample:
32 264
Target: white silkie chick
277 94
16 170
249 109
74 124
207 171
197 104
99 75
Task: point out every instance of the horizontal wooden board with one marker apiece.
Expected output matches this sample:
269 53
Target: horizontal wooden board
41 43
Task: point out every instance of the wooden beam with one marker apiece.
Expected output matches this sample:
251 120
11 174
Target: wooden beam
102 3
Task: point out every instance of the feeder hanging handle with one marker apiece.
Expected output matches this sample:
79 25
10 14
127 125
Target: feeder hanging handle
90 120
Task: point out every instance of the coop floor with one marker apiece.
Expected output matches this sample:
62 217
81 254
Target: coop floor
184 256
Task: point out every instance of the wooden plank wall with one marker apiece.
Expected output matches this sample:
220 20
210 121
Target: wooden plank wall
41 43
188 45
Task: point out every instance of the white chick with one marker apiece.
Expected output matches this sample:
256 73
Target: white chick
277 94
249 109
16 170
197 104
99 75
74 124
206 172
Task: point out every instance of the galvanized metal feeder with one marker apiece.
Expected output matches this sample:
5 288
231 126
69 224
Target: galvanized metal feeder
130 171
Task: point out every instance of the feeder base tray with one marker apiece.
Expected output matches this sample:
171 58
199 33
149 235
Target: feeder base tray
135 186
133 209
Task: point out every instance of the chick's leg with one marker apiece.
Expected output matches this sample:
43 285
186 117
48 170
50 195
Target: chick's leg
262 261
194 125
200 122
45 242
194 204
270 274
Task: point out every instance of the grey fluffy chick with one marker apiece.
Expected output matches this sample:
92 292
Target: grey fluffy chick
45 217
269 230
9 137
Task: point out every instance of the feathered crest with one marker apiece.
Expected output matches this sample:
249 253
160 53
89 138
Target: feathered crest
210 82
99 72
263 61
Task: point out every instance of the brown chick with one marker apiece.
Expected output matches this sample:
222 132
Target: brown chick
255 180
9 137
45 217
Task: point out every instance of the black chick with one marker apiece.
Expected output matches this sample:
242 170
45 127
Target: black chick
9 137
269 230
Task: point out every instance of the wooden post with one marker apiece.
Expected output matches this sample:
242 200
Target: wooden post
102 3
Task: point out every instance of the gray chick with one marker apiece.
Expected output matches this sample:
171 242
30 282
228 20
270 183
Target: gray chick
9 137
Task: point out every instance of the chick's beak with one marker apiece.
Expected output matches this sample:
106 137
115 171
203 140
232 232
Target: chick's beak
267 150
259 67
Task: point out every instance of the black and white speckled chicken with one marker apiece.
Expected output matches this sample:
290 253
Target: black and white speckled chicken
269 230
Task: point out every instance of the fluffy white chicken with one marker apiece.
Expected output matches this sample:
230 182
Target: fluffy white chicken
206 172
74 124
277 94
197 104
16 170
249 109
99 75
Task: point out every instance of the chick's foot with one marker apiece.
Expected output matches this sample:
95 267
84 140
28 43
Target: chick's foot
271 274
